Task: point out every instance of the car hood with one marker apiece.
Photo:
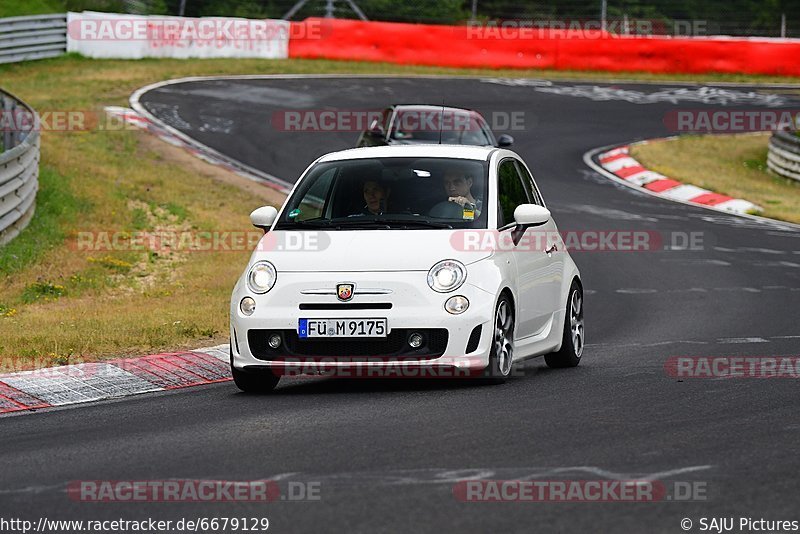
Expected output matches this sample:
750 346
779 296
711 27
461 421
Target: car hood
362 250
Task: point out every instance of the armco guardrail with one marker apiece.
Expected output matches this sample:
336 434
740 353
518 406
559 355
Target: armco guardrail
784 154
33 37
19 171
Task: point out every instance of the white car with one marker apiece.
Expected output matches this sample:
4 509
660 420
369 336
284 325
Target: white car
407 258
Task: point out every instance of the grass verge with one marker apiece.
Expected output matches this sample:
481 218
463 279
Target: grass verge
735 165
19 8
60 305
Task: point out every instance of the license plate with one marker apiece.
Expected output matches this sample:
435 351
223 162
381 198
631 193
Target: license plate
341 328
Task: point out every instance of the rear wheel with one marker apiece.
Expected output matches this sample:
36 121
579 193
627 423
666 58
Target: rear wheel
573 341
502 353
262 381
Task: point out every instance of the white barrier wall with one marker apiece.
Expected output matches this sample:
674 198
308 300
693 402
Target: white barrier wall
121 36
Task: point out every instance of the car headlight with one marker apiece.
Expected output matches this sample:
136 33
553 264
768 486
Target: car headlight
446 276
261 277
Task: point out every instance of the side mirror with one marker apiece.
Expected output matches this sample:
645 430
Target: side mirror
531 215
527 215
263 217
505 140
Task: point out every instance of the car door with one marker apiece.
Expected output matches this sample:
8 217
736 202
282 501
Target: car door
538 275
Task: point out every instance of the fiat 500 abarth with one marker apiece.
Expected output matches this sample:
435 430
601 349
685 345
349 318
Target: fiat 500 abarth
411 258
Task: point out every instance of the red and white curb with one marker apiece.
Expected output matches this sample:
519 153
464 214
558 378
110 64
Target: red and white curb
89 382
175 138
619 163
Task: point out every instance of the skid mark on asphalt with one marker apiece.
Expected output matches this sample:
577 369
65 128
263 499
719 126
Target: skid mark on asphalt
451 476
717 341
733 289
429 476
243 93
776 264
755 249
170 114
696 262
608 213
740 340
786 229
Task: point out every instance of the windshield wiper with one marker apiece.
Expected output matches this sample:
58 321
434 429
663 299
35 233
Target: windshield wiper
377 223
358 222
416 221
310 223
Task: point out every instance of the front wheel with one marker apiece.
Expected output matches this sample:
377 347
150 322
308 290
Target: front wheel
502 353
573 341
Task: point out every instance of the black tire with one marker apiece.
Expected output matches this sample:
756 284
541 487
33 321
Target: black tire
569 355
502 331
262 381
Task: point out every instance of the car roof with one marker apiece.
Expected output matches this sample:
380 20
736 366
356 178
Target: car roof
479 153
428 107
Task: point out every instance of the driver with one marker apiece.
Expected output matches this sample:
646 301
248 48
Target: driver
458 187
376 194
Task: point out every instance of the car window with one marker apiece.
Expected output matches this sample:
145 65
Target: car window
431 125
312 203
530 185
389 193
510 192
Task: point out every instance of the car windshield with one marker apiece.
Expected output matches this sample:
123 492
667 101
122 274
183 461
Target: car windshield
455 127
389 193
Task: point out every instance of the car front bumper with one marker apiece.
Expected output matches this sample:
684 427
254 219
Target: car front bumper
414 308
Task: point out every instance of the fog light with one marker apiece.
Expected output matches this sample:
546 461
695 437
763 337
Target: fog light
415 340
248 305
456 305
274 341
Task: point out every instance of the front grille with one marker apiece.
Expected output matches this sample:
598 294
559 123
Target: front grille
347 306
392 347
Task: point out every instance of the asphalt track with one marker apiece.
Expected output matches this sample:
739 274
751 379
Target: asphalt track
386 453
